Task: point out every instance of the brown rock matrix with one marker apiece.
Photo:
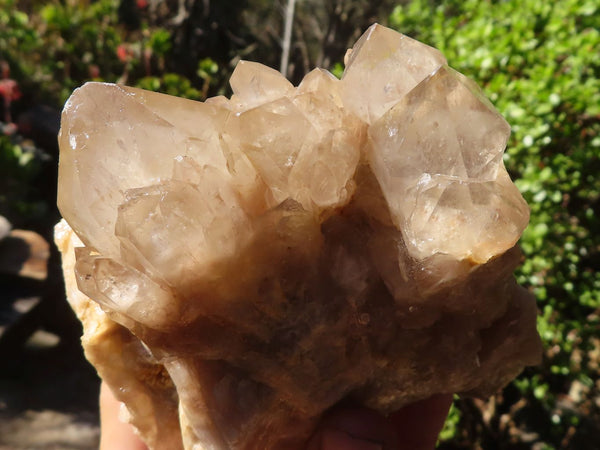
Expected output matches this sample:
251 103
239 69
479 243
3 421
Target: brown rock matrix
241 265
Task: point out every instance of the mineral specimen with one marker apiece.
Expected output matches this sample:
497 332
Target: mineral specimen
241 265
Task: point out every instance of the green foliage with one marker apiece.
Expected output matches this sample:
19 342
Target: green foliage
451 425
172 84
160 42
15 28
538 62
20 164
338 70
55 46
208 71
58 44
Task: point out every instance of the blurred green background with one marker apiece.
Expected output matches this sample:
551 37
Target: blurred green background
539 63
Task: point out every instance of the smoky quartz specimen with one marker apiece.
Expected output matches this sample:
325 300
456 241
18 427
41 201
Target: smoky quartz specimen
241 265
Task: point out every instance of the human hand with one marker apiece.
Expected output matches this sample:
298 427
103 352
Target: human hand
114 434
415 427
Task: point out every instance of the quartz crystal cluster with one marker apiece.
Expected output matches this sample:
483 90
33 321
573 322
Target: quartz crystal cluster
241 265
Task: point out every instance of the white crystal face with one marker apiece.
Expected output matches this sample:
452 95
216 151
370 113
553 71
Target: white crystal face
105 152
437 155
383 67
254 84
249 262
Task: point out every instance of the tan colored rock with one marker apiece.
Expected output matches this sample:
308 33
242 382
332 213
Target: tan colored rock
240 266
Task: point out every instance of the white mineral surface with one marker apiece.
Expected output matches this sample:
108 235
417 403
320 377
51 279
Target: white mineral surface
241 265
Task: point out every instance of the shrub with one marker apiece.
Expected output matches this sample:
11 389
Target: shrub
53 47
20 163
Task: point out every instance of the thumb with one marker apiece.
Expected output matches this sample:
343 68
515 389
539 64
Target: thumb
414 427
354 429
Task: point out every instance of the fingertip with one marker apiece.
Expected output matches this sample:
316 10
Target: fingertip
414 427
114 434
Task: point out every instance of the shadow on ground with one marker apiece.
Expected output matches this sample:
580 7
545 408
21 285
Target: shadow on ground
48 391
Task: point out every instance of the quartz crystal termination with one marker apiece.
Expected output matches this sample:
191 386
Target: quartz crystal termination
241 265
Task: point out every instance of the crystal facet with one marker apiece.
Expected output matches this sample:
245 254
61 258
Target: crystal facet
242 265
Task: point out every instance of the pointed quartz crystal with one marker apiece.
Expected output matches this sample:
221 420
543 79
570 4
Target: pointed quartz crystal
303 146
114 139
437 155
382 67
162 212
254 84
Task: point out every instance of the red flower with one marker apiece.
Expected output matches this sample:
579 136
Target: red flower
142 4
9 90
123 53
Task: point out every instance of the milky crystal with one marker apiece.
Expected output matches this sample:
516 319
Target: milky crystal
382 67
254 84
441 146
242 265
